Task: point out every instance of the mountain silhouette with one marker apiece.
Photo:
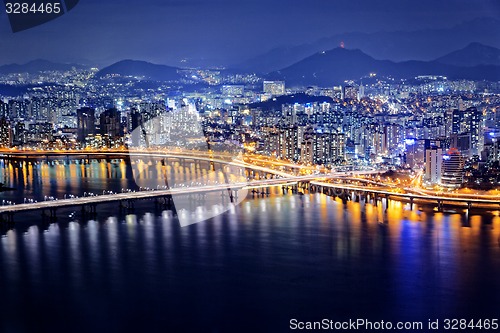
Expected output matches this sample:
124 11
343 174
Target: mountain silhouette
335 66
473 54
141 69
36 66
426 45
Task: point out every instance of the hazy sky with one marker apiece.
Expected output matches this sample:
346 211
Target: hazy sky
165 31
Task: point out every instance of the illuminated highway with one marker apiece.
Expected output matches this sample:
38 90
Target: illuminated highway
116 197
427 198
265 165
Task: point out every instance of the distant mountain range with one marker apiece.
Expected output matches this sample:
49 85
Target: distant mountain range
475 61
36 66
396 46
474 54
140 69
333 67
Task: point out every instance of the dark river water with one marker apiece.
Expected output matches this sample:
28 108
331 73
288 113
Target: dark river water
253 269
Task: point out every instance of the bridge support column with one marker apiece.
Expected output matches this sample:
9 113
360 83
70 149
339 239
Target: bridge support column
233 195
90 211
53 214
440 206
164 202
7 219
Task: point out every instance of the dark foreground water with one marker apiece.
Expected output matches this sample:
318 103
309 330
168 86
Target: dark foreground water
251 270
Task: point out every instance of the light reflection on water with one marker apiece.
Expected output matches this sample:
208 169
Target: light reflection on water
268 259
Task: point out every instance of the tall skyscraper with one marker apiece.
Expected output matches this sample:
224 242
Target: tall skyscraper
85 122
456 122
110 123
452 175
475 124
5 133
433 165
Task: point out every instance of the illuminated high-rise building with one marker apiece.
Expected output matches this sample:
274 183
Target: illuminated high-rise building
232 90
275 88
433 165
452 172
350 92
110 123
85 122
5 133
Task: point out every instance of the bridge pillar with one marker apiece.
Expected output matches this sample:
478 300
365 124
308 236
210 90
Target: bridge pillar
8 219
233 195
130 204
53 213
411 203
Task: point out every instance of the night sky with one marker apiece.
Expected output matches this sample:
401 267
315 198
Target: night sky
218 31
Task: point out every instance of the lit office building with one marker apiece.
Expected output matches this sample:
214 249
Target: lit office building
350 92
433 165
110 123
232 90
275 88
85 118
5 133
452 172
328 148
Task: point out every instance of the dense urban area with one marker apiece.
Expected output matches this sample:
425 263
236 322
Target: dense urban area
446 130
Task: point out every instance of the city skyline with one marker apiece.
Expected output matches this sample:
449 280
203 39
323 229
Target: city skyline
250 166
